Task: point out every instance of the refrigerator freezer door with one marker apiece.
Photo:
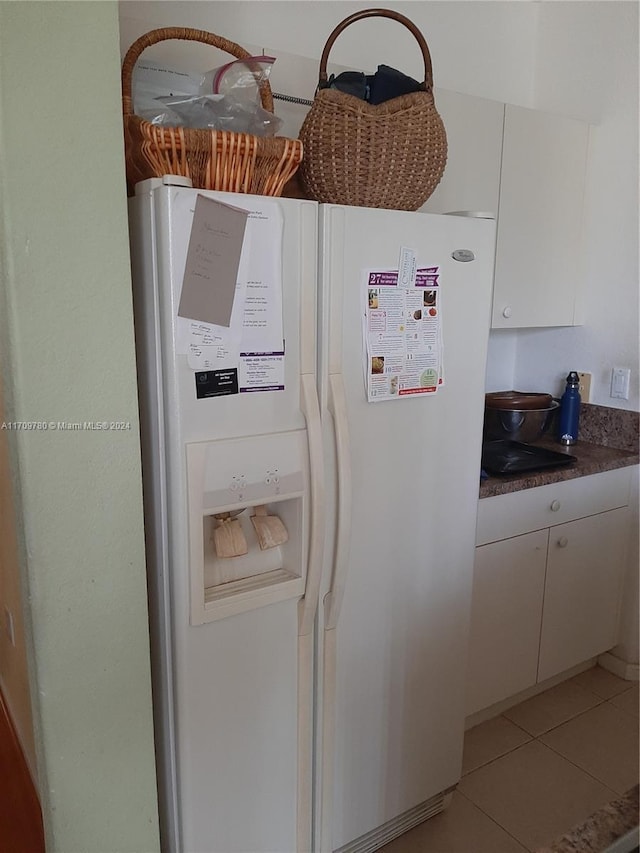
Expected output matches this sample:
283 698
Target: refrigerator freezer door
233 702
237 733
399 599
294 250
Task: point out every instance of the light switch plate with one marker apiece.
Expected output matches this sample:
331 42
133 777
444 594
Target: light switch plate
620 380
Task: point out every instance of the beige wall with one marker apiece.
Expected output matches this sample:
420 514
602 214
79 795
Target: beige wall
66 284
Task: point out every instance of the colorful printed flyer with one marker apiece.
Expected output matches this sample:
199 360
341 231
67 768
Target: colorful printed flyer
402 331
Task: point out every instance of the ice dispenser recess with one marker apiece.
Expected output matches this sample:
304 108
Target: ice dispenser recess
248 523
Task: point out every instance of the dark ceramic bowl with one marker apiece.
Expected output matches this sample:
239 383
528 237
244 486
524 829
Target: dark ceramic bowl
517 400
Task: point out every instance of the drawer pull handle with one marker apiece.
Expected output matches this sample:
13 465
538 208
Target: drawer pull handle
507 312
555 506
563 542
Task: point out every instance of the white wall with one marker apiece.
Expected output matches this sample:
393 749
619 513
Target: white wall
483 48
67 289
576 58
501 361
587 66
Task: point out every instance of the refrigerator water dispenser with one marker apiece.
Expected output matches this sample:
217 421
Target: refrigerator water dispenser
248 526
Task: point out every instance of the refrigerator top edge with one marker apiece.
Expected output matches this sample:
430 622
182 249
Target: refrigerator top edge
178 181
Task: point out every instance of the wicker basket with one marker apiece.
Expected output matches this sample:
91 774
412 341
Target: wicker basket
213 159
388 155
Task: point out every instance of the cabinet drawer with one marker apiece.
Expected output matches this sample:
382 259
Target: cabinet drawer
503 516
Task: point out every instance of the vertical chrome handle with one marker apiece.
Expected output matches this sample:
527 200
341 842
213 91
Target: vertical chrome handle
311 411
338 409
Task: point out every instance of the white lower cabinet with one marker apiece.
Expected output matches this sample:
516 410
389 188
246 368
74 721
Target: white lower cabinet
545 595
585 566
508 587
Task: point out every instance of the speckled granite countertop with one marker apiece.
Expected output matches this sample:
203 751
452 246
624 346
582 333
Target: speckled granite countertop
604 827
608 439
591 459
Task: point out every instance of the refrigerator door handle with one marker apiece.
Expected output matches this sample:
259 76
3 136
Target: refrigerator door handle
311 410
338 409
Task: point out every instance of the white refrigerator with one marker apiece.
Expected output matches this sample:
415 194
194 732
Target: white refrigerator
309 695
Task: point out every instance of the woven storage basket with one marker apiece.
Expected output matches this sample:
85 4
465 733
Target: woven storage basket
213 159
386 155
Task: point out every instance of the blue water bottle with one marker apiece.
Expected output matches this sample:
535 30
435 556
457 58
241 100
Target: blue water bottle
570 410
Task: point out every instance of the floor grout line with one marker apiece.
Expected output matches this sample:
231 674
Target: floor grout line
568 720
582 769
538 738
582 713
517 725
530 735
598 701
493 820
468 797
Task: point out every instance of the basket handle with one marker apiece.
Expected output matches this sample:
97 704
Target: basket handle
186 34
427 83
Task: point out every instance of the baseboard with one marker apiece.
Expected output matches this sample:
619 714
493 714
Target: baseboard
619 667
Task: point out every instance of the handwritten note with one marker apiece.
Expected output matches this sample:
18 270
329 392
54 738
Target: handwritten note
213 258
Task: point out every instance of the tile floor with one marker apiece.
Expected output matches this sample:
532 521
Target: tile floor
539 769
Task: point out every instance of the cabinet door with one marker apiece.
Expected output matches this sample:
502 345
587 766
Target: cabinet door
471 179
538 253
506 610
582 590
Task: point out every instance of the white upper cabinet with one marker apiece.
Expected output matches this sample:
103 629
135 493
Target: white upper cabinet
528 169
471 179
539 250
